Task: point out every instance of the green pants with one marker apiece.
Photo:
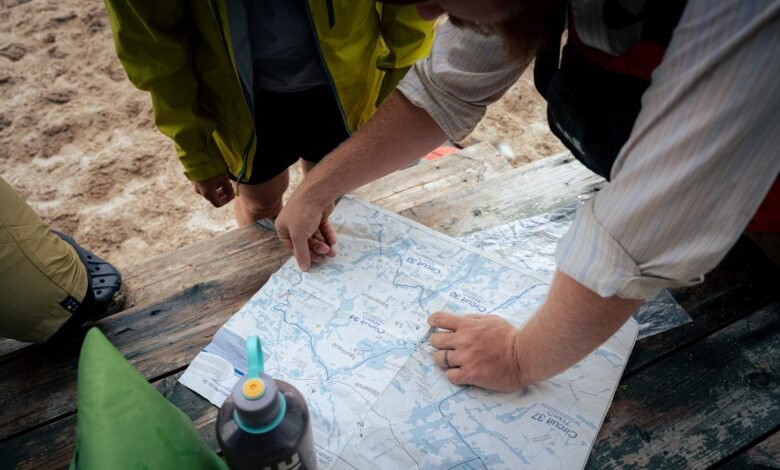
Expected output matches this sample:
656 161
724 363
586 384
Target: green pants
38 272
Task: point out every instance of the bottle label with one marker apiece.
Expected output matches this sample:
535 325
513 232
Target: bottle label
293 464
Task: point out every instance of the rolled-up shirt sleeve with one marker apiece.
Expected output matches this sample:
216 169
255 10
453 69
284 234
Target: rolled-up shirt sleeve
465 72
704 151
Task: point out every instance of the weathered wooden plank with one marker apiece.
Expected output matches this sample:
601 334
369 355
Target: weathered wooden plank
528 190
427 181
765 454
221 257
52 445
742 283
700 405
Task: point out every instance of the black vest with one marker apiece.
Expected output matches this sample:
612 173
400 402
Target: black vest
594 97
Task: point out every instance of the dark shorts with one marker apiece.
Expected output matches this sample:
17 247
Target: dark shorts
306 124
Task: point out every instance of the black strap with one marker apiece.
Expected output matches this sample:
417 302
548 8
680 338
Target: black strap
549 54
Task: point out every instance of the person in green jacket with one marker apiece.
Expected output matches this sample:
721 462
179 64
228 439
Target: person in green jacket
246 88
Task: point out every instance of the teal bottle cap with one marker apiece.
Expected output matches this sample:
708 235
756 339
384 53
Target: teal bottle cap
260 406
254 356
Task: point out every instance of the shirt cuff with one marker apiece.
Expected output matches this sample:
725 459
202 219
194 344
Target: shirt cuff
592 257
198 168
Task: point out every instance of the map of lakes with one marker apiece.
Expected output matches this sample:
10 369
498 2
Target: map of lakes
351 335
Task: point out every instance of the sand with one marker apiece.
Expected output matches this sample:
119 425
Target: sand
78 141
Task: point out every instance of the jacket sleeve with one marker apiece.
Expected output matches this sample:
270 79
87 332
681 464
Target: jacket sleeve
154 42
408 38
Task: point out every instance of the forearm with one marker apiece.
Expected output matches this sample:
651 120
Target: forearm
571 323
396 135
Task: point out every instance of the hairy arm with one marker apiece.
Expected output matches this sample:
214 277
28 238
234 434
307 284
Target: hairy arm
574 316
397 135
443 96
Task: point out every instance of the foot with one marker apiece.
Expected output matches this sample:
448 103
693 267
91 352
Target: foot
104 283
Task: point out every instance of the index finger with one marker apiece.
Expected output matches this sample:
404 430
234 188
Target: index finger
444 320
300 250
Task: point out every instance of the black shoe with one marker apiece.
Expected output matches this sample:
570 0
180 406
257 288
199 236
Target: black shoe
104 296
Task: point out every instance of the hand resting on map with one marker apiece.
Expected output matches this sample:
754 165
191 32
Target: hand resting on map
481 350
306 232
489 352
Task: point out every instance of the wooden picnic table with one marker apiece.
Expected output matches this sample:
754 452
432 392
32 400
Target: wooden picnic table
702 394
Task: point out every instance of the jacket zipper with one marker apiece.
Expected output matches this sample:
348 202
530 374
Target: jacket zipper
322 59
331 14
245 155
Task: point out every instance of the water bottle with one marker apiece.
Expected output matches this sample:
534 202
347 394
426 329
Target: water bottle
264 423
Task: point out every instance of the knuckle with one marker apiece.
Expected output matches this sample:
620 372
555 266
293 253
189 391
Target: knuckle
458 376
461 340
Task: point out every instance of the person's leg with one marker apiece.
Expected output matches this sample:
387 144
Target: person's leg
42 281
276 117
258 201
326 127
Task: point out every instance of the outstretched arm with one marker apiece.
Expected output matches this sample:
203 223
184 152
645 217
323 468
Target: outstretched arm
682 191
443 96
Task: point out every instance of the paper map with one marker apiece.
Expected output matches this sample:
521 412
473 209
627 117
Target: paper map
351 335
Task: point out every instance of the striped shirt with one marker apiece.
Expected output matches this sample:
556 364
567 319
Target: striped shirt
703 152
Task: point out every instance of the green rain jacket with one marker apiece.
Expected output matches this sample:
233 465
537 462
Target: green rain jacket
184 54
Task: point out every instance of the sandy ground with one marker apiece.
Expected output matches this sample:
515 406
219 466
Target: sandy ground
519 121
78 142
